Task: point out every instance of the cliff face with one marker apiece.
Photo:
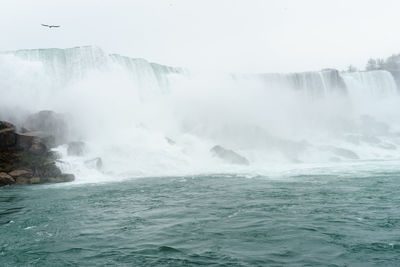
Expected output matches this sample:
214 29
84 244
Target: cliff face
25 159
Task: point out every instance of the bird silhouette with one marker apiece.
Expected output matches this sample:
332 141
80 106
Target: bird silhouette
50 26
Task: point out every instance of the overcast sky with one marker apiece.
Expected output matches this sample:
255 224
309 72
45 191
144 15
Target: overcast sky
233 35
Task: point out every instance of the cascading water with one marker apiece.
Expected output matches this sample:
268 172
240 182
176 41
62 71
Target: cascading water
378 83
146 119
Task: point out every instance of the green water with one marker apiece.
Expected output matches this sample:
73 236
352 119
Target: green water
219 220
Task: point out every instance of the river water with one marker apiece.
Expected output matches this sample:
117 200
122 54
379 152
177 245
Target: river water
332 217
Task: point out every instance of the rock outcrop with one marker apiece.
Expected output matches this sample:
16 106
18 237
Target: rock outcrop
7 135
6 179
25 159
229 156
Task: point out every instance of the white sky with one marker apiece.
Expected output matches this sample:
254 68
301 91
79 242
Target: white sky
233 35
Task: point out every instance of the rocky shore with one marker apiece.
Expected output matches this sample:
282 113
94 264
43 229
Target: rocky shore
25 157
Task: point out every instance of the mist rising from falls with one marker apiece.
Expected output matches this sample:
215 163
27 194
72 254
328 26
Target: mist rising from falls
146 119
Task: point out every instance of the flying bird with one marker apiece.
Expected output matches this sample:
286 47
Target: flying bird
50 26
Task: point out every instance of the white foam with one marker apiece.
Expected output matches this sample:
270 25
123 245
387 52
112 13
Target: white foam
125 109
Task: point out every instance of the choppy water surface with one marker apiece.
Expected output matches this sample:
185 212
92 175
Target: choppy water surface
218 220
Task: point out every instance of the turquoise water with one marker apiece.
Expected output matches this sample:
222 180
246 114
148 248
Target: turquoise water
218 220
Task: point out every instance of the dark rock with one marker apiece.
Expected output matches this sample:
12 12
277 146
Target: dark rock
95 163
48 169
6 125
76 148
7 134
38 148
53 180
229 155
66 177
26 158
6 179
35 180
22 180
25 141
8 159
62 178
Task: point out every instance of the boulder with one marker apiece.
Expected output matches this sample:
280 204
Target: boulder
35 180
22 180
48 169
66 177
32 143
6 125
229 155
76 148
62 178
54 180
21 173
6 179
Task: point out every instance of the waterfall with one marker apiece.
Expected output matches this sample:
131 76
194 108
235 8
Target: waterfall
378 83
144 118
66 66
313 84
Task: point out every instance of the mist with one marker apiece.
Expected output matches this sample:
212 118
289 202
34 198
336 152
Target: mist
146 119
